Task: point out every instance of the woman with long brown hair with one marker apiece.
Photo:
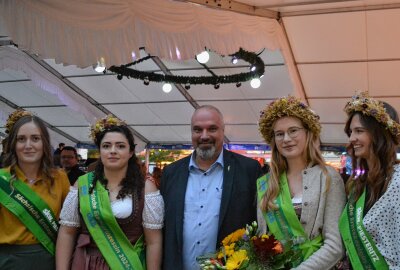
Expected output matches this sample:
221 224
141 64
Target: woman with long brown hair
112 218
31 195
301 198
370 223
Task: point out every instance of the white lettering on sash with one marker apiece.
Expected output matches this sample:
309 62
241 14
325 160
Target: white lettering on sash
33 212
114 245
27 205
46 212
364 238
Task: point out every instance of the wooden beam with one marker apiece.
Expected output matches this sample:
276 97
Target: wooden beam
339 10
235 7
302 3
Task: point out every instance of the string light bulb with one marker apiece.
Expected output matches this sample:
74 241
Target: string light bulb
234 60
167 87
101 65
203 57
255 83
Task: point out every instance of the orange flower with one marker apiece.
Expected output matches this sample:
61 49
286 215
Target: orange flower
266 246
278 248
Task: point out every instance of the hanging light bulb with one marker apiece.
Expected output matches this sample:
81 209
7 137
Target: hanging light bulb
255 83
146 81
234 60
203 57
167 87
216 86
238 84
101 65
187 86
252 68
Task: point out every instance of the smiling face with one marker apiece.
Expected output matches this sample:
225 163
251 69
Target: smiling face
207 133
115 151
29 145
359 138
290 137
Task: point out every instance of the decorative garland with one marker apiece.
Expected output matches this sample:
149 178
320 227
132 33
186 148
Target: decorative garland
253 59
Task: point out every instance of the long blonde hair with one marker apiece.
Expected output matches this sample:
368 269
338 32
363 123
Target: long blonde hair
312 155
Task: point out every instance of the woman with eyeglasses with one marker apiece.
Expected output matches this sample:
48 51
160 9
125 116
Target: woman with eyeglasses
370 223
301 198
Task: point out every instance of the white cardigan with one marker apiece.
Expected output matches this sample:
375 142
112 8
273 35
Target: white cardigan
320 214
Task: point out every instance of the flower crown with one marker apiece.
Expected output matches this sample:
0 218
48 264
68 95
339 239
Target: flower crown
103 124
287 106
14 117
374 108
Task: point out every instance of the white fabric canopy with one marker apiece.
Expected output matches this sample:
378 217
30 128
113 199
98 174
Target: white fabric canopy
321 51
17 60
80 32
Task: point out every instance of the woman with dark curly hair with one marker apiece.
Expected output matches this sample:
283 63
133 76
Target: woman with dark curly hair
32 192
115 214
370 223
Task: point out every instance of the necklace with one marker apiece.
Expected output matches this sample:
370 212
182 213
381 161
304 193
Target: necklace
31 181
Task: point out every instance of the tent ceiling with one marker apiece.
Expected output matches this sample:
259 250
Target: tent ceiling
157 117
338 47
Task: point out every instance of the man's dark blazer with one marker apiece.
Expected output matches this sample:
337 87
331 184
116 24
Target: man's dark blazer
238 202
74 174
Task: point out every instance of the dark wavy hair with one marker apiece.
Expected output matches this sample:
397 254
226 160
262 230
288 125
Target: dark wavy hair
133 183
11 159
382 155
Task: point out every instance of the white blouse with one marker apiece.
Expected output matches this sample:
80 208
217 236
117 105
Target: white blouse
383 222
153 211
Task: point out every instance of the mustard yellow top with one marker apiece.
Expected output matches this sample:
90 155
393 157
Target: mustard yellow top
12 231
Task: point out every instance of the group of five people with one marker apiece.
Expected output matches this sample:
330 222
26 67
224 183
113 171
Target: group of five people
113 218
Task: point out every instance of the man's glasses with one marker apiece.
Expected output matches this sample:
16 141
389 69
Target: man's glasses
292 132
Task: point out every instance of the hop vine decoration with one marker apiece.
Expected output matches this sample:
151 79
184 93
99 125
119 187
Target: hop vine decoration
253 59
14 117
103 124
366 105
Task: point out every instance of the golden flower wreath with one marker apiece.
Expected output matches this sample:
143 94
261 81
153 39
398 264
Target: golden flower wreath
104 123
14 117
287 106
371 107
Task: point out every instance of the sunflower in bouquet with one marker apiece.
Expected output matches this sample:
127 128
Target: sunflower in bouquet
247 249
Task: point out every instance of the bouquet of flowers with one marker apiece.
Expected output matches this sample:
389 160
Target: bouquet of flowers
247 249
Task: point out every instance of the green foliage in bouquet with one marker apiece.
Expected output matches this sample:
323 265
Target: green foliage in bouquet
248 249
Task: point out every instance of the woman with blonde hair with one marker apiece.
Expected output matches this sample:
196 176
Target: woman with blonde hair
32 192
115 215
301 198
370 223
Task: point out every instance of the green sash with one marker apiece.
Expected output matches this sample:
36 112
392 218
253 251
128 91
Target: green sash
104 229
360 247
283 223
30 209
